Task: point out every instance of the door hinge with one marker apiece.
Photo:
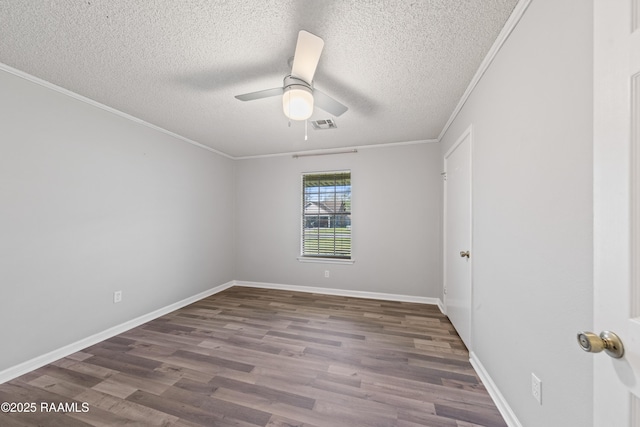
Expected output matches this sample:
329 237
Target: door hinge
444 175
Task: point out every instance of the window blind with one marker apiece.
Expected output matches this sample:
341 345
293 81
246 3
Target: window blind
326 215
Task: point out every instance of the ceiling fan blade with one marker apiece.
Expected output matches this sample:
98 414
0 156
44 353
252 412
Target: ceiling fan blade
328 104
305 60
261 94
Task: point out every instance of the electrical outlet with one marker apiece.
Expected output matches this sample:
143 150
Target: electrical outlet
536 388
326 274
117 297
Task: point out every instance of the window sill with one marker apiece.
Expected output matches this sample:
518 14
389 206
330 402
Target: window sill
325 260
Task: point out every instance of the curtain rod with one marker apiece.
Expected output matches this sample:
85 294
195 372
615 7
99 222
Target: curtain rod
295 156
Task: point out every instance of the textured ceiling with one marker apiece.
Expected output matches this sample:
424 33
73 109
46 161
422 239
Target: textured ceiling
400 66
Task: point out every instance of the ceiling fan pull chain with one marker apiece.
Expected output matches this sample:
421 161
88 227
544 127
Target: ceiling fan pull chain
305 129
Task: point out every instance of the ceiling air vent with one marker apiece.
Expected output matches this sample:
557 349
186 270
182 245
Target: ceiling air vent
324 124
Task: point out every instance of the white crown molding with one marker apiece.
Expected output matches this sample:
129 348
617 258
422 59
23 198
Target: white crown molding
509 26
506 31
501 403
56 88
45 359
342 292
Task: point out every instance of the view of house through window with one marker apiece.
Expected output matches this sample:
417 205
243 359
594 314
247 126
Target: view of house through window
326 216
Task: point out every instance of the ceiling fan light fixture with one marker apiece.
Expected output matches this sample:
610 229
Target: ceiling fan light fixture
297 102
297 88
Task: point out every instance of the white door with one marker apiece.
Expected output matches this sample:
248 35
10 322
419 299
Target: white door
457 241
617 208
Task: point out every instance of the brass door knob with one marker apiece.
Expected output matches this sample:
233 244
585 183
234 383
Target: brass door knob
464 254
607 341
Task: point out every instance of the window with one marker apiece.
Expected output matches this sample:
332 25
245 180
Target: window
326 215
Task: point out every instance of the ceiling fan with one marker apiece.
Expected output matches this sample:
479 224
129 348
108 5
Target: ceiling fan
298 93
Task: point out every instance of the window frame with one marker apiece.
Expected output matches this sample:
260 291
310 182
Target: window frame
324 258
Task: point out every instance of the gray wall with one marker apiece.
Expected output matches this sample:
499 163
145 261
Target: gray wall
532 238
91 203
396 221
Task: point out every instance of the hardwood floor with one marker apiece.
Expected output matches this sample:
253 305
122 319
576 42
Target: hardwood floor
256 357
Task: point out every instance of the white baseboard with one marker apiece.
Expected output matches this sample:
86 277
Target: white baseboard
501 403
45 359
343 292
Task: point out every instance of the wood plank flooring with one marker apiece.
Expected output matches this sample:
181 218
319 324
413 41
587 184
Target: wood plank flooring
257 357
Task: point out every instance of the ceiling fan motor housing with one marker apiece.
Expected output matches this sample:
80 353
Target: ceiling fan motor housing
297 100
